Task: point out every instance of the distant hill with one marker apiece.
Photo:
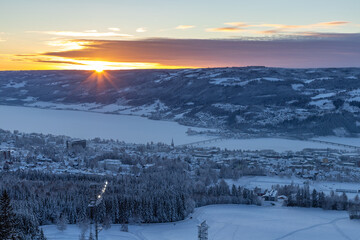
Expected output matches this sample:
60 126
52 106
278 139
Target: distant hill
254 100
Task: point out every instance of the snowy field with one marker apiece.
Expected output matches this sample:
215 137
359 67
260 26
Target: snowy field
79 124
277 144
229 222
266 182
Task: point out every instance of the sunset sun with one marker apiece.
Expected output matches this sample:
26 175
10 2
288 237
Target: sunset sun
98 68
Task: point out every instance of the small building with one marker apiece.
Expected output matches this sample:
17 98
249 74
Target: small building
113 165
282 198
346 190
75 144
354 212
259 192
270 195
5 154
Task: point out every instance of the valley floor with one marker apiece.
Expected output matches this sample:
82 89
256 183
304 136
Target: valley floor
236 222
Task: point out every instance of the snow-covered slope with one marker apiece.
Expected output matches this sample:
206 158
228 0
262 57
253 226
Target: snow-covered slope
250 99
232 222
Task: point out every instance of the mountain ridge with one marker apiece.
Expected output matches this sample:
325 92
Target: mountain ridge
253 100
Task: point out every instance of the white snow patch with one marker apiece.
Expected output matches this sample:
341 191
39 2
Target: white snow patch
323 95
276 144
15 85
350 108
297 87
61 106
232 222
354 99
11 99
226 81
29 99
229 107
272 79
323 104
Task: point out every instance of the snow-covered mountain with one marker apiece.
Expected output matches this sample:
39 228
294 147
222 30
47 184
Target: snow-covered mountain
251 99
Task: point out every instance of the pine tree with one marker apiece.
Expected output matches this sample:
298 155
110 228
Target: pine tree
314 198
91 237
41 235
8 221
62 222
124 227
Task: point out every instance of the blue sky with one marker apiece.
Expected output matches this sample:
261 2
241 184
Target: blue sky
38 26
156 15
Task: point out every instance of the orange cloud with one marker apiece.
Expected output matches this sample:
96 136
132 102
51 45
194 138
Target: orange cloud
237 24
68 44
235 27
89 33
276 28
114 29
334 23
141 30
225 29
57 62
183 27
272 31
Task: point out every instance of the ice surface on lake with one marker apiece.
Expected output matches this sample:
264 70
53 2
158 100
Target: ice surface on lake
135 129
131 129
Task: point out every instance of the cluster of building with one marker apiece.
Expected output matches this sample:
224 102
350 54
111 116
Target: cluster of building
74 156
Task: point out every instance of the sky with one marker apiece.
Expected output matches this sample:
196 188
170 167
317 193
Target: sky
128 34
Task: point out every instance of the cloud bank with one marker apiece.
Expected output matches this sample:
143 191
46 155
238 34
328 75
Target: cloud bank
269 28
327 50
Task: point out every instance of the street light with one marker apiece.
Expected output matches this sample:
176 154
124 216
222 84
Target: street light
94 202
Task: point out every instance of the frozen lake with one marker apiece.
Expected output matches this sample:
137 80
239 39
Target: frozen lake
227 222
79 124
136 129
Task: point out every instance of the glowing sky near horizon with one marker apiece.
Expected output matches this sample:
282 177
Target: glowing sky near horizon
128 34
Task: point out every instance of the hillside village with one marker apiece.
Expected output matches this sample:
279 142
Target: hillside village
60 154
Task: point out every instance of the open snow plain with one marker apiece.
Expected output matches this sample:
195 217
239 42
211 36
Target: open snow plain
229 222
266 182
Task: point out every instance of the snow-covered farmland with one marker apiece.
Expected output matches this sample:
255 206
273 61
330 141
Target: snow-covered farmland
266 182
236 222
78 124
